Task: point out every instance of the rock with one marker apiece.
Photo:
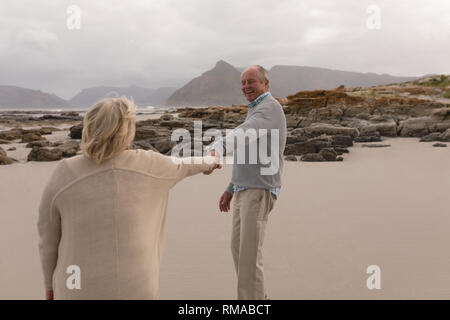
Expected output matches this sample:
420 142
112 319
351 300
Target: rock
445 137
375 145
44 154
76 131
375 138
49 130
291 139
29 137
12 149
67 116
4 160
312 157
328 154
387 129
326 114
69 148
69 153
176 123
146 132
163 145
217 115
381 118
441 113
70 114
414 127
313 145
435 136
2 152
303 102
46 130
39 143
56 143
2 141
143 144
363 116
340 150
290 158
341 141
318 129
439 144
12 134
419 127
166 117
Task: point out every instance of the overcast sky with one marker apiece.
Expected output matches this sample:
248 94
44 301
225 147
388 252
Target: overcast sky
156 43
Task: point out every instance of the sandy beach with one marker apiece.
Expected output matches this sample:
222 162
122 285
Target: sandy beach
380 206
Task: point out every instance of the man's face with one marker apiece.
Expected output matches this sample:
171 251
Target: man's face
252 87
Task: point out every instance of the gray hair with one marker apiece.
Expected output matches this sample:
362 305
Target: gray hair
263 75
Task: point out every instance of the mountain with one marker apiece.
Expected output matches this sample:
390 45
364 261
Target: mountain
160 95
218 86
141 96
286 80
221 85
17 97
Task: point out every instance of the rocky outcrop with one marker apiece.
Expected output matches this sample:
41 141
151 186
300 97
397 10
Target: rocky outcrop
318 129
324 155
375 145
76 131
439 144
5 160
26 135
419 127
29 137
44 154
313 145
38 143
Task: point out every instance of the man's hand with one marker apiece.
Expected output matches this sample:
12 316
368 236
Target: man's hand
49 295
216 166
225 200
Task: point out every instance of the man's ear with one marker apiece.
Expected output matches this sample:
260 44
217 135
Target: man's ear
267 84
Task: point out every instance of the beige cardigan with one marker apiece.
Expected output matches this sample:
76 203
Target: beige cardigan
108 220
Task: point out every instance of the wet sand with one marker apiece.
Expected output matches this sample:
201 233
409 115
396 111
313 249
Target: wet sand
380 206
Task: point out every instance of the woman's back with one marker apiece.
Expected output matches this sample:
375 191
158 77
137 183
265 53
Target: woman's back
111 220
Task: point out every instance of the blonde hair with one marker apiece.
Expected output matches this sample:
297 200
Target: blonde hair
108 129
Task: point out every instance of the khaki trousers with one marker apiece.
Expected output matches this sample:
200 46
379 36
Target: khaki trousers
251 210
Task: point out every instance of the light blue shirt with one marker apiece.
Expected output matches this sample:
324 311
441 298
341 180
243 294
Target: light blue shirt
236 188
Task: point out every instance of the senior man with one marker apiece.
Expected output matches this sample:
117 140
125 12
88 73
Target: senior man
255 185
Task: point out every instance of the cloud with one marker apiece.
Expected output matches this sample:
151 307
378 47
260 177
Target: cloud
168 42
37 38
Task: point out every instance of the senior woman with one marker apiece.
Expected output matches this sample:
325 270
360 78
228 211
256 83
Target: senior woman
102 214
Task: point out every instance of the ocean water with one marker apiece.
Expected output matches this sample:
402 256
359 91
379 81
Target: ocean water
38 112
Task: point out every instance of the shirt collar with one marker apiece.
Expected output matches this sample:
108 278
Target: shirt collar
255 102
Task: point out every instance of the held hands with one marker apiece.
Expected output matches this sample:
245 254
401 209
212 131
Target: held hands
216 166
224 202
